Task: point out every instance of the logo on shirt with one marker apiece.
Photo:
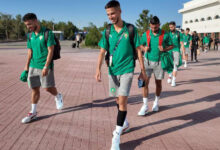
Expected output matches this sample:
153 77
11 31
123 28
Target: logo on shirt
126 35
41 37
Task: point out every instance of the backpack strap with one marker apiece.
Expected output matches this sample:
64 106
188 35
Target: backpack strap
29 36
131 37
46 34
107 33
161 38
148 37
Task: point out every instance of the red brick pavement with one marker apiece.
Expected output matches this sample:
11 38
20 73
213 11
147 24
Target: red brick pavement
188 117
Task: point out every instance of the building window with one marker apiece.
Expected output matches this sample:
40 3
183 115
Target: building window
217 17
191 21
196 20
209 18
186 22
202 19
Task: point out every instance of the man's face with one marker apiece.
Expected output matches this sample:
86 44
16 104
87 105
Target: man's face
172 28
31 25
114 14
154 27
187 31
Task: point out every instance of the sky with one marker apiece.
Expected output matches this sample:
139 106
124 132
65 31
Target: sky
82 12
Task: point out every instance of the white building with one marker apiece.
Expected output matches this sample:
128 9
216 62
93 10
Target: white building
202 16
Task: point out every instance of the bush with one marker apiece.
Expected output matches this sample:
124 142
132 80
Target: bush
93 37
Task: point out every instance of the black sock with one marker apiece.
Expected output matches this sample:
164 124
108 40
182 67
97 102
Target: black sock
121 117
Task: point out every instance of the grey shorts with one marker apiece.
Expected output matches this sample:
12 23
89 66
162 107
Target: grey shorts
176 58
187 51
120 85
154 67
35 78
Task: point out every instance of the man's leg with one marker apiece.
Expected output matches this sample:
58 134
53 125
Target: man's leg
195 53
145 92
48 83
192 51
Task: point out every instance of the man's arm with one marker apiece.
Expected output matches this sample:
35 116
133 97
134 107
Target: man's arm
49 59
141 61
99 65
29 56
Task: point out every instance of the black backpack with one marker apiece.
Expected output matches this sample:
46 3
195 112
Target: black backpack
131 36
57 47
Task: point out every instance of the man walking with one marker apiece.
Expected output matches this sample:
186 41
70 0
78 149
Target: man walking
39 64
177 40
121 63
187 40
206 42
150 40
195 44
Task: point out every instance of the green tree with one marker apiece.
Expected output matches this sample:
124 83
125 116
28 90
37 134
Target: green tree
7 24
143 23
165 27
103 27
93 37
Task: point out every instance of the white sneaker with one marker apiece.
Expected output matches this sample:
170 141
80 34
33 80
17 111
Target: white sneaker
143 111
155 107
125 128
115 141
169 80
173 84
59 101
29 118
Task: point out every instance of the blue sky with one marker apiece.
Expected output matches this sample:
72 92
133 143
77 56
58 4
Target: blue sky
81 12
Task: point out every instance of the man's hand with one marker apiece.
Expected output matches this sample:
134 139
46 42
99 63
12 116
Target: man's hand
98 76
146 48
45 72
161 48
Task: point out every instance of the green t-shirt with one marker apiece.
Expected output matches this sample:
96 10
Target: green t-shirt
176 39
186 40
39 48
123 57
154 53
206 40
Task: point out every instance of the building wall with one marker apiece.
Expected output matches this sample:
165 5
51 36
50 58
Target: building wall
198 10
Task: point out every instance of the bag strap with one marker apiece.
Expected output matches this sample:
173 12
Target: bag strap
161 37
107 33
46 34
119 40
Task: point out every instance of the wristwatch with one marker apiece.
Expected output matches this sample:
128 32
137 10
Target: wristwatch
45 67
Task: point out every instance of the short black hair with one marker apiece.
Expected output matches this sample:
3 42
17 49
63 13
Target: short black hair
112 3
154 20
29 16
182 30
187 29
172 23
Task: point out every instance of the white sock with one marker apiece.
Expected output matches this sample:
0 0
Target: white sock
33 108
174 78
157 99
119 129
185 62
125 122
145 100
170 75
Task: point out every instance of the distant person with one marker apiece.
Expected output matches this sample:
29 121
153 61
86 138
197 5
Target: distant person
187 40
216 42
39 64
210 42
177 40
154 47
195 45
78 40
206 42
121 63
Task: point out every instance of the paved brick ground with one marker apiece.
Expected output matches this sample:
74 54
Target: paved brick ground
188 117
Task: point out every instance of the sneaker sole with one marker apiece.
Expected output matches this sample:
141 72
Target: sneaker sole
144 114
33 118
